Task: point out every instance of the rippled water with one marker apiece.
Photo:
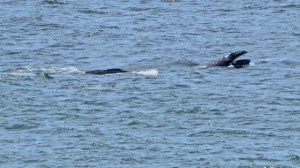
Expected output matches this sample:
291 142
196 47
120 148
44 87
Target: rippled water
54 115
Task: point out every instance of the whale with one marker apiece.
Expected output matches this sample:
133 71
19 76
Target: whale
231 59
106 71
228 60
149 72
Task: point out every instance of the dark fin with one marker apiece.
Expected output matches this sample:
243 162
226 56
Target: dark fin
48 76
44 75
107 71
241 63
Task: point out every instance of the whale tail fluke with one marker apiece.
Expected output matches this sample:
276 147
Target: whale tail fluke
229 60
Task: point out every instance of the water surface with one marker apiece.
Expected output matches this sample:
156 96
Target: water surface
54 115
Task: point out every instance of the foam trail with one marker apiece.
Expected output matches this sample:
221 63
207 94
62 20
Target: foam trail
64 70
71 70
43 71
150 72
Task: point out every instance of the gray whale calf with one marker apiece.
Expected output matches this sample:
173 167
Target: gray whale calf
228 60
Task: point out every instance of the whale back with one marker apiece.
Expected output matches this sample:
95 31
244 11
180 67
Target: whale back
107 71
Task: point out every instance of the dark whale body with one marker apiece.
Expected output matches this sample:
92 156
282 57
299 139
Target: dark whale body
228 60
107 71
241 63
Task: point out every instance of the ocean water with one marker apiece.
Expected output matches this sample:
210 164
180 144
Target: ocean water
164 113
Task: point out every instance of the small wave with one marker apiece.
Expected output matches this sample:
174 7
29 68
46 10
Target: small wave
54 2
151 72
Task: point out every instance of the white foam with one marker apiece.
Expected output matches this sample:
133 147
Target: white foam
53 70
201 66
66 70
150 72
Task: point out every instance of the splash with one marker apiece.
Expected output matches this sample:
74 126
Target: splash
150 72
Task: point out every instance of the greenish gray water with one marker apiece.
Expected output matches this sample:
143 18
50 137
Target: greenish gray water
54 115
